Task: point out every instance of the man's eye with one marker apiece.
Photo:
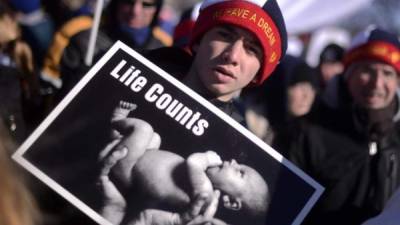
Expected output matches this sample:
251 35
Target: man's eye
390 74
225 35
366 72
254 50
148 4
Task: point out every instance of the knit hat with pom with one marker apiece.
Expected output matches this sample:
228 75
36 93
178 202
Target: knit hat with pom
375 44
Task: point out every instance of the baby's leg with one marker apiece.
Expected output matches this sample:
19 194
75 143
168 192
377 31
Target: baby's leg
137 136
155 142
121 112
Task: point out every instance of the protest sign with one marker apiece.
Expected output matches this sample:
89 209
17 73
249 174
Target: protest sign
64 150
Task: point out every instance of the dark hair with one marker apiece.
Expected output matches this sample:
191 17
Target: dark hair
331 53
302 72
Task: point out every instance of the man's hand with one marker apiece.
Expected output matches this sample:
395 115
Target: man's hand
114 203
206 221
202 209
201 212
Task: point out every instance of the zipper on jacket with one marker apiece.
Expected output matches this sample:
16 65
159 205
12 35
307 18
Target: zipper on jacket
392 172
373 148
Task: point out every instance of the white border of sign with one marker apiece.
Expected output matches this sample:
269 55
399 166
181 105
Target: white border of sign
18 156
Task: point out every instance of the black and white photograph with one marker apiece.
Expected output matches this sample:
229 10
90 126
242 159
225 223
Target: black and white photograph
132 145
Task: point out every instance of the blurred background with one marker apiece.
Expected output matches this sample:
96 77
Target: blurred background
313 24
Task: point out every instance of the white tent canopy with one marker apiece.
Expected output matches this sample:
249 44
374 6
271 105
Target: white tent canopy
307 15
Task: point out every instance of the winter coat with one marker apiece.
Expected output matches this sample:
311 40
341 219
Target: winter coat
359 171
73 66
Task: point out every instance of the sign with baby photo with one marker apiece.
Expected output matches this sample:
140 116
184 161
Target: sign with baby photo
130 144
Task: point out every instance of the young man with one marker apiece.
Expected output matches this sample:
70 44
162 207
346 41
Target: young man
353 148
234 44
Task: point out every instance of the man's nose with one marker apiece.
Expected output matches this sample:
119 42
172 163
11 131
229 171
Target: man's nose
137 7
378 80
233 52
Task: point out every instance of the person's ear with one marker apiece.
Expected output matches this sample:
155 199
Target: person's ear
232 203
255 80
398 78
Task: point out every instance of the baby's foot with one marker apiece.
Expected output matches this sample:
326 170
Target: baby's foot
122 110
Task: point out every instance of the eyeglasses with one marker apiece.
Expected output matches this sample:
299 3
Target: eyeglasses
145 4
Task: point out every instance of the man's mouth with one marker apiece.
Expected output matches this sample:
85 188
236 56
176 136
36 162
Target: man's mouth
374 95
224 72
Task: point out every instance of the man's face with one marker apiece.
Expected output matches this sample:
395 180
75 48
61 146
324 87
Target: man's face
227 59
136 13
372 84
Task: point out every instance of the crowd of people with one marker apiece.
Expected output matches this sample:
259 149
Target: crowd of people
337 121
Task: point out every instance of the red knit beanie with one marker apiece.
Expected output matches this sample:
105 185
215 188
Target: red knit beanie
263 18
376 44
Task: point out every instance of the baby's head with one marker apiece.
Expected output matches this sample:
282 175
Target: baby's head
242 189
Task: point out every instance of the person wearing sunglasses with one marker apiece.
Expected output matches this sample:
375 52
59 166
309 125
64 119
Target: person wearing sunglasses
134 22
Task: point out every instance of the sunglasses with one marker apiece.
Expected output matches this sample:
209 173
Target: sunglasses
144 3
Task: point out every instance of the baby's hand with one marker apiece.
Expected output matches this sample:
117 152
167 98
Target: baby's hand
197 164
213 158
204 159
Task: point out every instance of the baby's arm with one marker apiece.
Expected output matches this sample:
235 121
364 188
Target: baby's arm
197 164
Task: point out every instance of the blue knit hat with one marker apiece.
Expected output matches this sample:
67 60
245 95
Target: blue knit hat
26 6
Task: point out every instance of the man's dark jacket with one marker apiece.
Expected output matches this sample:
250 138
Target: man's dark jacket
358 162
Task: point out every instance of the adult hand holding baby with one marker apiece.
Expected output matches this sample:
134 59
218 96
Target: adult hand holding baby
114 204
202 210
